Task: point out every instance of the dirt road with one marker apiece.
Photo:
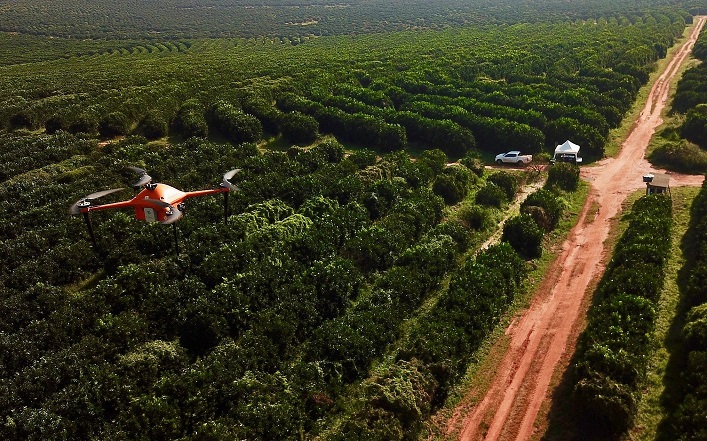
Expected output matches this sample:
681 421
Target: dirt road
540 338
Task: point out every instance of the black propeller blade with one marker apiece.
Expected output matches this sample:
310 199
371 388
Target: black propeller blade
226 182
157 203
171 218
87 200
143 177
174 217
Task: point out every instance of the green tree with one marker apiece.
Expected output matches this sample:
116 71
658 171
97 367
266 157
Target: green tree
563 176
190 120
524 235
695 126
549 204
21 120
114 124
85 122
453 184
473 162
54 124
299 128
407 390
506 181
491 195
153 125
233 123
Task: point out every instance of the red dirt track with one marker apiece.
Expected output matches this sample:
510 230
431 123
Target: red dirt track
541 339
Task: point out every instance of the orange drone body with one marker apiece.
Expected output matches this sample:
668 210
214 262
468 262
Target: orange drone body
154 203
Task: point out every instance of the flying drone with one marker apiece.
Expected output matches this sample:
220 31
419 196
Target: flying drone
156 202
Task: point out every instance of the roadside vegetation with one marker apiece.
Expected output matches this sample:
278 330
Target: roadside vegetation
649 412
662 374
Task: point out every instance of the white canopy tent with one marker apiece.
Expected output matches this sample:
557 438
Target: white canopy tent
567 147
567 152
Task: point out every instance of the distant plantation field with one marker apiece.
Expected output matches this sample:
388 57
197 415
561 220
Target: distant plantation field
166 19
525 86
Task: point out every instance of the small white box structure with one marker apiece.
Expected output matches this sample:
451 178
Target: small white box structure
657 183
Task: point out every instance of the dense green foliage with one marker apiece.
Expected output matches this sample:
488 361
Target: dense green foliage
679 155
440 346
695 126
691 98
403 402
544 208
452 184
299 128
563 176
683 145
691 89
508 182
264 327
612 353
524 235
269 318
395 397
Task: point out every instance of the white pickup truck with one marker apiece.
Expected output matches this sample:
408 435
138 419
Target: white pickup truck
513 157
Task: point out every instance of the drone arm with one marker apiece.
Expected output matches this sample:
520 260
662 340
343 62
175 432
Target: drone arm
224 190
121 204
192 194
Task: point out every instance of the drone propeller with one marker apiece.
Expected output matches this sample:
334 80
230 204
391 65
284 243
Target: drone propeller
86 201
143 177
226 182
174 214
157 203
174 217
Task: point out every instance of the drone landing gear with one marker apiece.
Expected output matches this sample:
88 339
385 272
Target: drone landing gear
225 207
90 230
176 239
89 227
